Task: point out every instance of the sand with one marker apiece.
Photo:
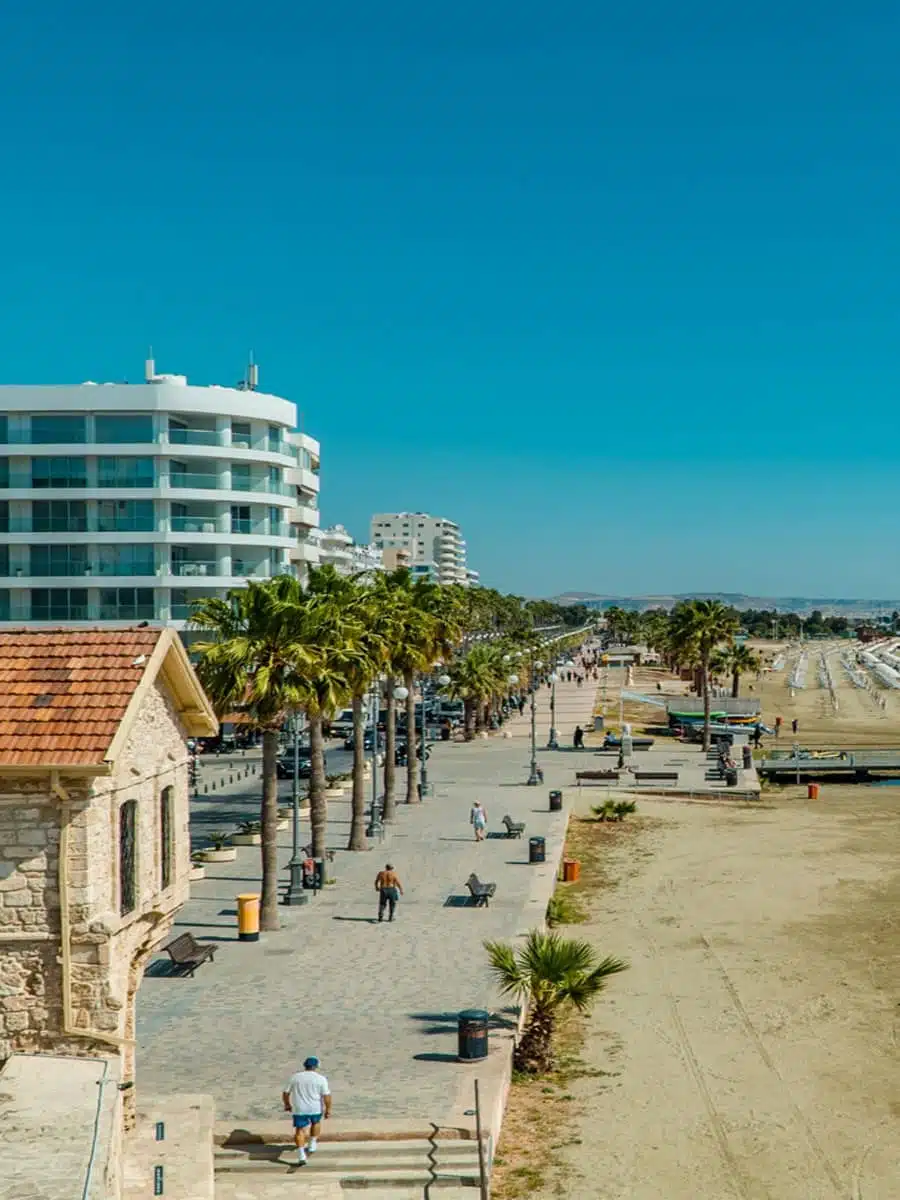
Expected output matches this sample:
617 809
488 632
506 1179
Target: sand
751 1050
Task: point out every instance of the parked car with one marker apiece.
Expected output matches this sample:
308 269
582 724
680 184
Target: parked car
342 724
285 765
368 740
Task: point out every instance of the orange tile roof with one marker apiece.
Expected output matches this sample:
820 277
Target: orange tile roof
64 692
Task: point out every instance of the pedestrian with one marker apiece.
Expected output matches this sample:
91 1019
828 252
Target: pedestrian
578 739
308 1098
795 725
521 705
389 889
478 820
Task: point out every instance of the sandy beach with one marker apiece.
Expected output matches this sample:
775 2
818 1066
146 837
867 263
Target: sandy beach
751 1050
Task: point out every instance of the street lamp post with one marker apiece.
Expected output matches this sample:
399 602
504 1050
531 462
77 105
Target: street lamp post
443 681
553 742
295 893
401 694
534 778
374 816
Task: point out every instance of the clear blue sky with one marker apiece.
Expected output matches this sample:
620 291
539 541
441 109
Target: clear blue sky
616 287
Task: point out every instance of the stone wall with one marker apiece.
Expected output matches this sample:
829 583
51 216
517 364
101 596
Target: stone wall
108 948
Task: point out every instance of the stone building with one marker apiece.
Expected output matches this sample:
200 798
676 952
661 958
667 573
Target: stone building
94 845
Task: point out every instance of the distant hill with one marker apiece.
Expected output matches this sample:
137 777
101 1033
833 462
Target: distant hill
828 606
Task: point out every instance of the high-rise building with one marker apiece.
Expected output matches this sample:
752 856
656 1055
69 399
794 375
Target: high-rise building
436 549
122 503
337 548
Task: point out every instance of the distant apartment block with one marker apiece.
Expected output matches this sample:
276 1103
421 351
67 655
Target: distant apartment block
337 548
435 546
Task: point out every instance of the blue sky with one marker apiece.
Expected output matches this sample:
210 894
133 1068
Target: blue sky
616 287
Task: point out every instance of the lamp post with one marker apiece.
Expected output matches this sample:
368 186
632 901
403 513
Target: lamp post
401 693
533 778
553 742
374 816
443 681
295 893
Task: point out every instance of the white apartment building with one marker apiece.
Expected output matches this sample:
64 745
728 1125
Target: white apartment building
337 548
124 502
436 549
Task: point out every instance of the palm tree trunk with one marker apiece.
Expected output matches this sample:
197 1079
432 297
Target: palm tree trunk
357 839
318 805
268 909
479 716
469 718
704 674
389 812
735 685
412 759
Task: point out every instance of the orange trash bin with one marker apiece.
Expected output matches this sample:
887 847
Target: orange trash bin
248 917
812 791
571 870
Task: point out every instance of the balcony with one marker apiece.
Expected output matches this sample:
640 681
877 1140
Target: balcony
271 486
193 524
246 569
193 479
18 615
195 437
192 567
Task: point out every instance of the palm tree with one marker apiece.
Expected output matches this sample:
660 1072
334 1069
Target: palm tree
698 627
549 973
473 679
741 661
255 661
389 593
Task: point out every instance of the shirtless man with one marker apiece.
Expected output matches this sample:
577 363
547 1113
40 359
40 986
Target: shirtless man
389 889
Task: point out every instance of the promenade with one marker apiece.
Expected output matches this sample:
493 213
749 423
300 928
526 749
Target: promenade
376 1003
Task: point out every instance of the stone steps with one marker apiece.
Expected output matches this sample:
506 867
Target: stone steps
399 1166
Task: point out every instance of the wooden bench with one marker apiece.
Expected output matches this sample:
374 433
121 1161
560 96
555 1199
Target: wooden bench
514 829
596 777
186 951
656 777
481 892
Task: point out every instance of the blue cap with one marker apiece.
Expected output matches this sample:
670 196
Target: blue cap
311 1064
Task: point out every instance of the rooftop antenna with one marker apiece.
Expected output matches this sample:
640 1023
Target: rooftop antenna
252 375
149 366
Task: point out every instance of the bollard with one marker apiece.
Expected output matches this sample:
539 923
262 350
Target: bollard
205 788
248 917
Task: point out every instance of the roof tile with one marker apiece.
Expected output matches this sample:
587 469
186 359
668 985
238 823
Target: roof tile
64 692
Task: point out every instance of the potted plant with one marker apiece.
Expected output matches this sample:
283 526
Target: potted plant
198 871
334 786
249 834
218 850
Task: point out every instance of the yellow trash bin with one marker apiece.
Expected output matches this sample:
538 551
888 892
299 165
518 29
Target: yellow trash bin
248 917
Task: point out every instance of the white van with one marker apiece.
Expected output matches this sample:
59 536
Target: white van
342 725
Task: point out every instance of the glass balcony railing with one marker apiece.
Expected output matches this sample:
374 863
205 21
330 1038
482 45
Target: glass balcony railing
18 479
195 437
257 570
272 486
80 612
193 479
193 524
195 566
260 528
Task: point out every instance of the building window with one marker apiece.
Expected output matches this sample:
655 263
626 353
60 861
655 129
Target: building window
59 604
125 516
126 560
240 434
126 604
127 857
125 472
275 442
4 472
165 836
59 516
123 427
57 427
4 516
4 428
4 604
59 560
58 472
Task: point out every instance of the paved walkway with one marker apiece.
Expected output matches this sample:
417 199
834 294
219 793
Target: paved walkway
376 1003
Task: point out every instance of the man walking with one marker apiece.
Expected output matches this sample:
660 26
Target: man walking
308 1098
389 889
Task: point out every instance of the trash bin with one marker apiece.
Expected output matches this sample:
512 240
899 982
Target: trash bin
313 874
571 870
598 724
473 1034
248 917
556 801
812 791
747 752
731 777
537 850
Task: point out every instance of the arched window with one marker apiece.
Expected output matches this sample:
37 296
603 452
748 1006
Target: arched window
166 797
127 857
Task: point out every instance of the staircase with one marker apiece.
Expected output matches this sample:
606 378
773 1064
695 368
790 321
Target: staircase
392 1161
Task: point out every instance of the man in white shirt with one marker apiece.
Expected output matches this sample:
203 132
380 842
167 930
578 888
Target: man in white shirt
308 1097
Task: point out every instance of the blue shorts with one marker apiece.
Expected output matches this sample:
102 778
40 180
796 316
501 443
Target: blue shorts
301 1122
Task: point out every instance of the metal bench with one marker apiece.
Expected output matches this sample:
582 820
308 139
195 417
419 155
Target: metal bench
186 951
481 892
656 777
596 777
514 829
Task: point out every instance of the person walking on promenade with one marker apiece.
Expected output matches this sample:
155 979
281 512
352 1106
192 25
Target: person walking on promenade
795 725
478 820
389 889
307 1097
578 739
